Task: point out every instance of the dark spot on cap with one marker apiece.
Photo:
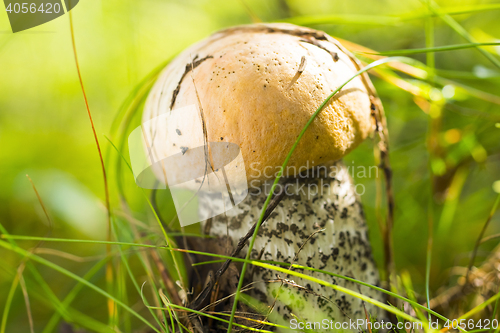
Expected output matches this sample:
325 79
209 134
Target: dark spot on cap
184 150
221 138
178 131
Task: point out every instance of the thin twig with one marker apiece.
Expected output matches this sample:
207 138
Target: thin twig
21 267
26 296
49 220
488 238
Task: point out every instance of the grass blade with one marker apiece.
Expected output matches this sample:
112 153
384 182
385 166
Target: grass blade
51 325
430 59
430 49
63 271
433 6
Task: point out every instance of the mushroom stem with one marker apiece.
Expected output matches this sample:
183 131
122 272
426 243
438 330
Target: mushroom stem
319 223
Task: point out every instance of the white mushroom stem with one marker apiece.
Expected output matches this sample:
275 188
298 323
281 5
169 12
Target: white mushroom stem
319 223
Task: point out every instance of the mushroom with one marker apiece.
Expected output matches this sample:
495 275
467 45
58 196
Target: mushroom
256 86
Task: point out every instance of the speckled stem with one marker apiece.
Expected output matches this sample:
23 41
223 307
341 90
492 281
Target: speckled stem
323 199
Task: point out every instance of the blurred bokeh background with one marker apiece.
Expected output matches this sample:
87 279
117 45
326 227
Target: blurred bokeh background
45 131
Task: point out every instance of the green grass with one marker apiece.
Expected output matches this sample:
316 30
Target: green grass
135 296
266 264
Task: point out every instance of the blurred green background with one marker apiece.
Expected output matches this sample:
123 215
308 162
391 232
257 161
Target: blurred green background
45 131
